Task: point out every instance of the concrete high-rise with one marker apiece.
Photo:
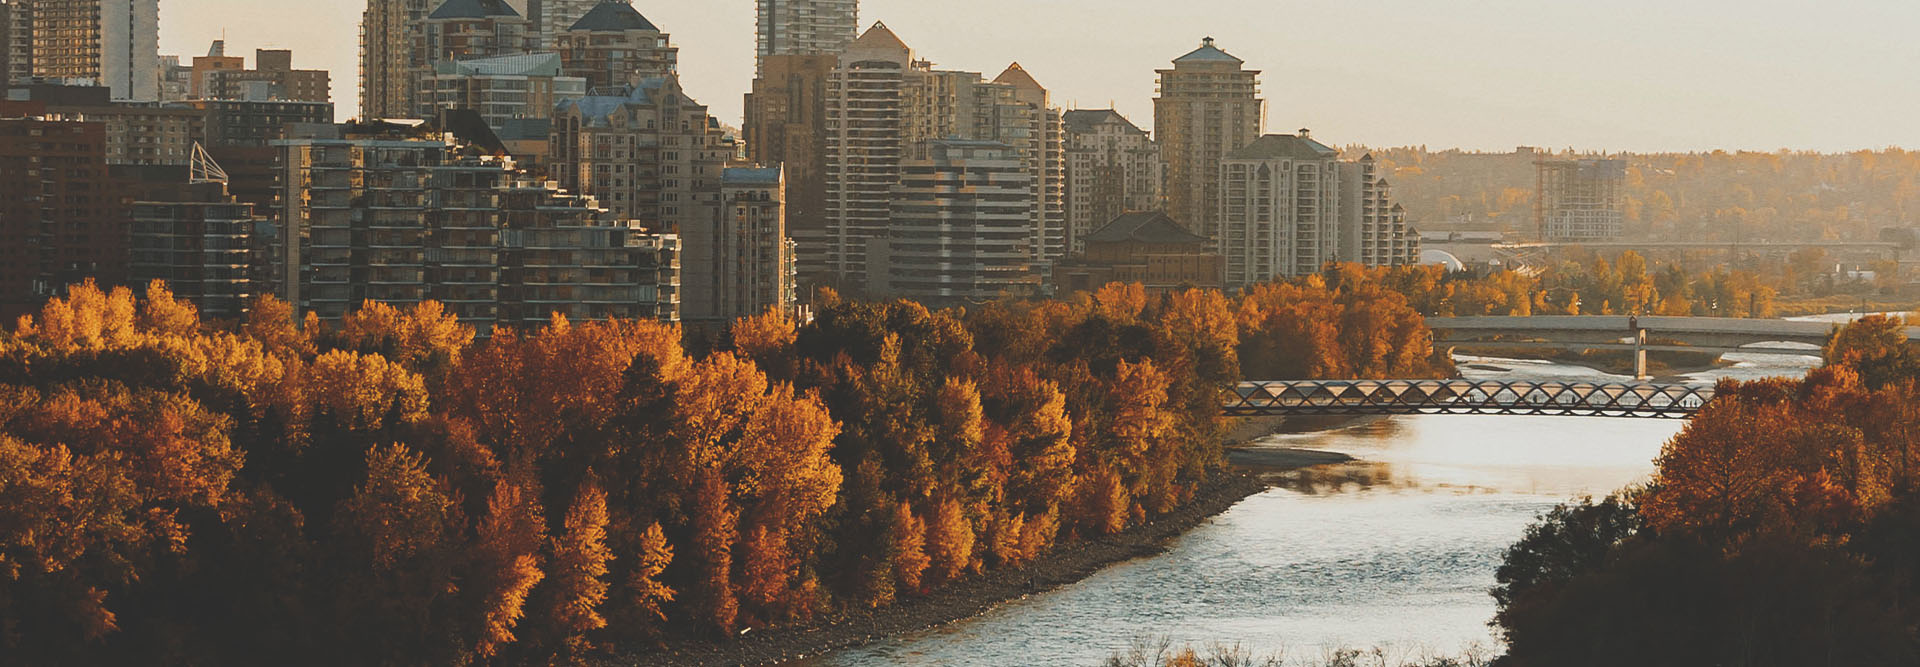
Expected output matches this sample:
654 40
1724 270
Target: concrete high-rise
739 262
786 125
804 27
867 136
399 215
1028 121
16 41
1289 205
1113 167
1373 228
961 226
224 77
650 154
390 33
500 89
552 17
62 216
1209 106
112 43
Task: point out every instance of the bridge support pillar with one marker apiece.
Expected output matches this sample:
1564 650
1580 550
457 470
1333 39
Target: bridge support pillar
1640 355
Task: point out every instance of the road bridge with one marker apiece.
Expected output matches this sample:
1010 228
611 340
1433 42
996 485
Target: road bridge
1715 335
1467 397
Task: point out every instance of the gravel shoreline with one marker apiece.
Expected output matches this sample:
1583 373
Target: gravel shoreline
971 598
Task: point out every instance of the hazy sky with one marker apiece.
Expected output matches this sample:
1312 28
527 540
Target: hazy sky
1639 75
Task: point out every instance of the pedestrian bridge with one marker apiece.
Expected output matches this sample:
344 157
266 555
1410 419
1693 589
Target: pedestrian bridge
1466 397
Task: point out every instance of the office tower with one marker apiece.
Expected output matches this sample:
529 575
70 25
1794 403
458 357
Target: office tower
650 154
190 233
1148 248
786 125
1581 200
613 46
739 262
176 80
1279 209
1113 167
960 229
1209 106
1373 229
867 136
112 43
62 219
398 214
16 42
217 76
500 89
390 32
804 27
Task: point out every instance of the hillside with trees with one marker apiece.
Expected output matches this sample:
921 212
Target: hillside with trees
1718 196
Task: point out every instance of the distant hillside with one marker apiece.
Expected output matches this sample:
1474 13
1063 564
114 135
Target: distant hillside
1690 196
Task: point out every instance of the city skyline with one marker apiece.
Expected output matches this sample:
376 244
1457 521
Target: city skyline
1640 77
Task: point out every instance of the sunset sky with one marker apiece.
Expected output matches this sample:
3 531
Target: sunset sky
1638 75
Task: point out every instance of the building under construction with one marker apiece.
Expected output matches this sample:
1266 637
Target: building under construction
1580 200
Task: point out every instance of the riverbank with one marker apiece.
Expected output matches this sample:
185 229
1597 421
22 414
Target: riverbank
1066 565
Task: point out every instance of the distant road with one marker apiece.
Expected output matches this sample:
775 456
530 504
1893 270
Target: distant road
1703 334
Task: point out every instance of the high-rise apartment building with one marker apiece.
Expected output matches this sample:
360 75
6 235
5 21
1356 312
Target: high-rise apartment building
240 135
190 233
961 226
1373 228
552 17
390 33
652 154
112 43
1028 121
137 133
1279 209
500 89
62 218
16 41
804 27
1113 167
867 137
400 215
1209 106
739 262
1581 200
614 46
786 125
1289 205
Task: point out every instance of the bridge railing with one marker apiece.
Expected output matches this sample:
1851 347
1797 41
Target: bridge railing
1476 397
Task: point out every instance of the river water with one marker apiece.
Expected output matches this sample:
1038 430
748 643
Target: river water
1396 551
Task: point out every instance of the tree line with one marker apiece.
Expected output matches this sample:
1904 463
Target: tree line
395 489
1782 528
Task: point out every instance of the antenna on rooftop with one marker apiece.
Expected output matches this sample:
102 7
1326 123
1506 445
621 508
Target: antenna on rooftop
202 169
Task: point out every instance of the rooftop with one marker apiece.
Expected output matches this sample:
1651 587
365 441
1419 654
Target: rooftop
1146 227
1018 77
878 37
1208 53
1284 146
613 16
527 64
473 9
1082 121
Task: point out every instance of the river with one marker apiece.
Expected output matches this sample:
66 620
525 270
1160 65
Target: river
1396 551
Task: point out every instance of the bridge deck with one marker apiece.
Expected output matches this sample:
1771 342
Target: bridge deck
1471 397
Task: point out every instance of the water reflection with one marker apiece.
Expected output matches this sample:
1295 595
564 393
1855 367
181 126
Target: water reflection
1396 549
